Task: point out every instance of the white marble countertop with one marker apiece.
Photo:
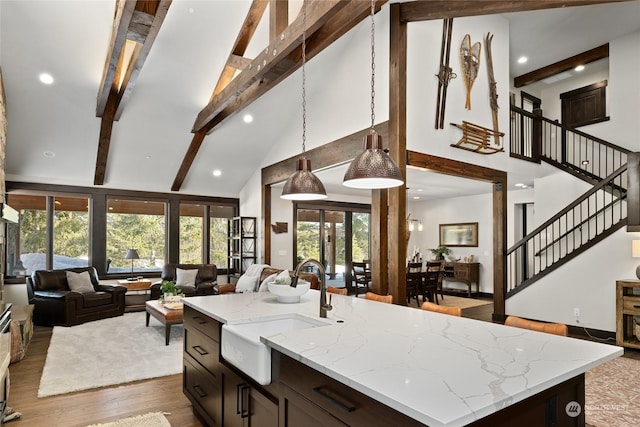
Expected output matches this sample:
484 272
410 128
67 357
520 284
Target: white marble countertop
438 369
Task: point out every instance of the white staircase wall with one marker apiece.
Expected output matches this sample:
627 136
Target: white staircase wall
588 281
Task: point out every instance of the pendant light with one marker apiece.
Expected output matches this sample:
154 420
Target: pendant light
303 184
373 168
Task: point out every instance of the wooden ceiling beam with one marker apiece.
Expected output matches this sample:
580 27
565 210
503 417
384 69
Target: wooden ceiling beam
425 10
583 58
318 13
278 18
135 28
234 63
322 31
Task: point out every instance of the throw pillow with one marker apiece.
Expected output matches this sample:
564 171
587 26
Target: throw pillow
80 282
246 283
284 278
269 279
186 277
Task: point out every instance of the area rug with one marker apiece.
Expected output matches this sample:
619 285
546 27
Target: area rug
612 394
153 419
110 351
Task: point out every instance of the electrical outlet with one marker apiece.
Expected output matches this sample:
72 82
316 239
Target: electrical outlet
576 312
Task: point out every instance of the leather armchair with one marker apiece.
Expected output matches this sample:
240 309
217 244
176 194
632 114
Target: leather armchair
206 279
55 304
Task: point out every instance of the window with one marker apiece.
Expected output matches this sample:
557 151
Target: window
191 227
31 247
135 224
27 240
62 227
70 232
219 217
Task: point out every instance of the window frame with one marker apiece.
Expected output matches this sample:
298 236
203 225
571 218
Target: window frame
97 199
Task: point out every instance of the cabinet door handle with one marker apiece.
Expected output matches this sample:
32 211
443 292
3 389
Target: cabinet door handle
199 319
201 351
245 408
333 398
241 390
199 391
636 306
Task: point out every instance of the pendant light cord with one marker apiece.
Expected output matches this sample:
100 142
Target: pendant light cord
304 59
373 65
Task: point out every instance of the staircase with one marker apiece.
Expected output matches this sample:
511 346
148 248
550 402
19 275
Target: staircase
593 216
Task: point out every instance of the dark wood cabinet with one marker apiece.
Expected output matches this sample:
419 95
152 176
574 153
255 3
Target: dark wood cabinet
244 405
201 365
220 395
465 272
310 396
295 411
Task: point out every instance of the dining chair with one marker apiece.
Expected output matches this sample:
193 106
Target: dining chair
361 276
430 285
334 290
381 298
414 280
550 328
453 311
437 265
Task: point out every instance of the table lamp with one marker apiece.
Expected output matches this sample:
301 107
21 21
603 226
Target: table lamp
635 252
133 254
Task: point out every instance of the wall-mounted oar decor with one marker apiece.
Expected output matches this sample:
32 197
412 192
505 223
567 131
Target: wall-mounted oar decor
470 59
445 73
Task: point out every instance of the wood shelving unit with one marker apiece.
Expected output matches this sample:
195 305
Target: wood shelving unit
627 306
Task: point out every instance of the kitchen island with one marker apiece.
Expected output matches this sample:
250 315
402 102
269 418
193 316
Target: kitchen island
435 369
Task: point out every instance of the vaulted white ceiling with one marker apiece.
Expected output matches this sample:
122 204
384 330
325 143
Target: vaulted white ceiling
53 129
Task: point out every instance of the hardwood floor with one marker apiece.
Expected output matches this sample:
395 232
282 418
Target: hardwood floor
93 406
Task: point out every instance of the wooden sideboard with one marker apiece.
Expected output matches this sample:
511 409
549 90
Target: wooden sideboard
627 306
466 272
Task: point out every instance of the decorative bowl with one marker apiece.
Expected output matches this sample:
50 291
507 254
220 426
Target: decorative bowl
287 294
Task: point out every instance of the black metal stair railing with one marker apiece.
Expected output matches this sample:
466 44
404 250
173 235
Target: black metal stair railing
536 138
589 219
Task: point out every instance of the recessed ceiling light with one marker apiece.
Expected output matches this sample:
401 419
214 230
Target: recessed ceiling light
522 60
579 68
46 78
416 197
147 157
49 154
419 189
217 172
248 118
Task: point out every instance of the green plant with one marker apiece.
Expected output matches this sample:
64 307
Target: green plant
168 287
441 251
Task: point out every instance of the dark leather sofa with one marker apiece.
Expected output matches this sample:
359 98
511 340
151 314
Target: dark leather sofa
206 279
55 304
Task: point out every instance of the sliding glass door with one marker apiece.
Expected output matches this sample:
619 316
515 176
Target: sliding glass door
335 234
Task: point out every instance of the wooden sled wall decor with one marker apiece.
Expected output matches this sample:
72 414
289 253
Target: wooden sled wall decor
476 138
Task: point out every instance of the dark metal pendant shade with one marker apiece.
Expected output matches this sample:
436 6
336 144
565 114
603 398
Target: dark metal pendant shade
303 184
373 168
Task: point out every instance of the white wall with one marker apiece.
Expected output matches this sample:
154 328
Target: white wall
588 281
337 105
455 210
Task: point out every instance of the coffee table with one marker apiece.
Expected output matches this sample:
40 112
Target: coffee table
164 315
138 291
